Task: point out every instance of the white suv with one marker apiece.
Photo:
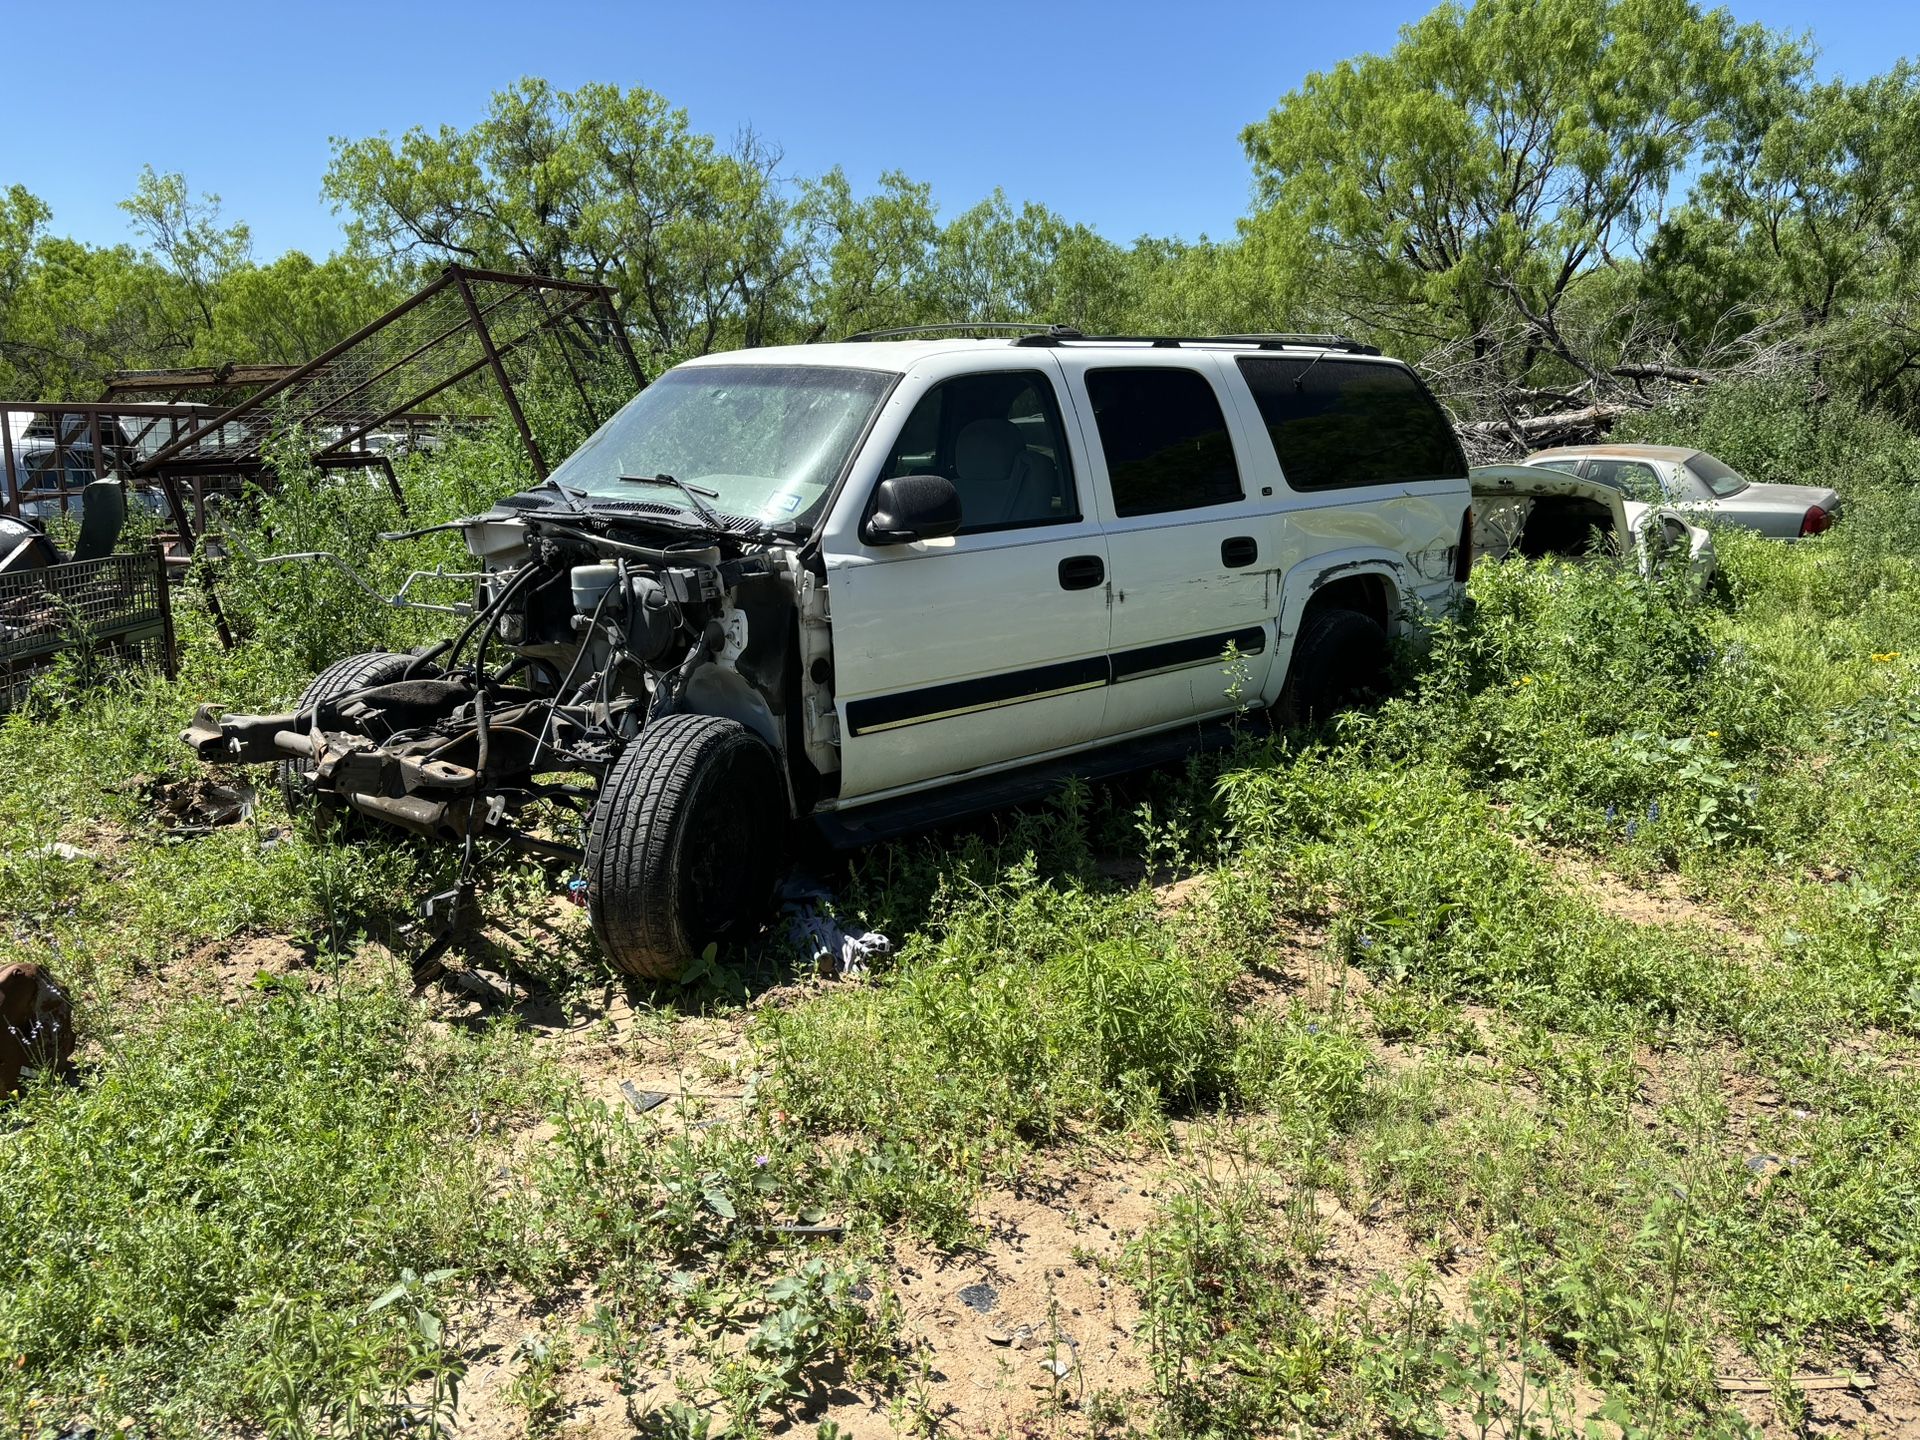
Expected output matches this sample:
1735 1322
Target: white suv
886 581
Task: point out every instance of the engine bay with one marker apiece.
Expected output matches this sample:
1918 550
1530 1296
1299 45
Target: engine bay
588 623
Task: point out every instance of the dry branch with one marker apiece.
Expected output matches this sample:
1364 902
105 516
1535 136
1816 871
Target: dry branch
1532 431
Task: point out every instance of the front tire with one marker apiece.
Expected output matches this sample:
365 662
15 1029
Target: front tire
685 843
1339 662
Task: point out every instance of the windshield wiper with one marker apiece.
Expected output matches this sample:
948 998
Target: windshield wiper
665 479
552 484
693 493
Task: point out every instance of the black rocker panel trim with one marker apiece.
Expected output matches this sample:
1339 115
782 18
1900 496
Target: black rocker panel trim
1179 654
938 702
1041 682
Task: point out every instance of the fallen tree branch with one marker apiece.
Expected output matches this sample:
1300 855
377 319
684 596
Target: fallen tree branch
1533 427
1681 374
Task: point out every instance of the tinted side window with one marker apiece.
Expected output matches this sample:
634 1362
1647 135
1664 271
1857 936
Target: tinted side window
998 438
1351 422
1165 440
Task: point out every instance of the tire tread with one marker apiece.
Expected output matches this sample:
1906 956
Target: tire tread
1303 700
637 837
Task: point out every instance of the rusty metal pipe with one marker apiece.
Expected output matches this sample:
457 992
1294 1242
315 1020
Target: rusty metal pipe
432 818
292 742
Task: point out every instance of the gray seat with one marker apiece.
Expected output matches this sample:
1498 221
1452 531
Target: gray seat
1001 481
103 514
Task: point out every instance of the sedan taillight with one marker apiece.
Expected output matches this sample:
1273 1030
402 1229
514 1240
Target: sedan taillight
1814 521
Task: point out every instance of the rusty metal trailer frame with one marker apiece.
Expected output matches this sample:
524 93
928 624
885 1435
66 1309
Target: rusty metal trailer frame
104 456
354 384
463 322
174 381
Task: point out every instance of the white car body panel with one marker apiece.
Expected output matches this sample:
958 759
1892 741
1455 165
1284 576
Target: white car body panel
1503 496
924 635
1168 582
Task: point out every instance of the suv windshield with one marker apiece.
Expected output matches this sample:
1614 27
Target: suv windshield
1718 476
767 440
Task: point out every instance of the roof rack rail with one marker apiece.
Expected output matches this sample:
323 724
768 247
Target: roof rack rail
938 326
1265 340
1272 340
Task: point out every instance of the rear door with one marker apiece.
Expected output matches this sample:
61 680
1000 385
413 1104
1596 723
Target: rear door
1637 479
988 647
1190 548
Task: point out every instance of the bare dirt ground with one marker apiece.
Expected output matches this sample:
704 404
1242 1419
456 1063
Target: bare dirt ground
1032 1330
1008 1337
1665 902
1013 1336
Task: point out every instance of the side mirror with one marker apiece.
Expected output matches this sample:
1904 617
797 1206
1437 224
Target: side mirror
912 507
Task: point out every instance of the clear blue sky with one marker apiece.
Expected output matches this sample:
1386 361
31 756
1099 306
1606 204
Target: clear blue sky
1125 115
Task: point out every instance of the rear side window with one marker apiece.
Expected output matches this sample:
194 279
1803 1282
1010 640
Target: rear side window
1639 481
1336 423
1165 440
1718 476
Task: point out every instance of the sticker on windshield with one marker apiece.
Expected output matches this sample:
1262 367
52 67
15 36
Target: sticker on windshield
787 500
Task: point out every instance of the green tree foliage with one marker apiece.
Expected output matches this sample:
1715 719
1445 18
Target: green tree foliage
21 216
995 263
81 312
1494 196
868 257
1807 223
1462 187
703 243
191 294
708 246
215 303
187 238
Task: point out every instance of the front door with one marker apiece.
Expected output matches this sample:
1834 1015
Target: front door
990 646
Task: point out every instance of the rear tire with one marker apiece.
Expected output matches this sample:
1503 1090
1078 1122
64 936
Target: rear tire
685 844
1339 662
343 677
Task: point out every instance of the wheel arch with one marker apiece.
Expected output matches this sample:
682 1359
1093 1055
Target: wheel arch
1368 582
722 692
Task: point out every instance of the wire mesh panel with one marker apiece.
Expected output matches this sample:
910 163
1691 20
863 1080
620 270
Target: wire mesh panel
454 328
119 599
51 450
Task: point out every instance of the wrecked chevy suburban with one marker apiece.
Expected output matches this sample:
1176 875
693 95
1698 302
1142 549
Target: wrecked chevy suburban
876 584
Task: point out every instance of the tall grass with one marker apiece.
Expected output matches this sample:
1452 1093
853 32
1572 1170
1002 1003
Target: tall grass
1419 977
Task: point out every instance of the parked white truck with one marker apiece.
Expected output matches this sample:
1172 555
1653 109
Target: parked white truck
886 581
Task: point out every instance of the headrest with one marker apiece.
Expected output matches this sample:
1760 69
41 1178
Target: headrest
986 450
